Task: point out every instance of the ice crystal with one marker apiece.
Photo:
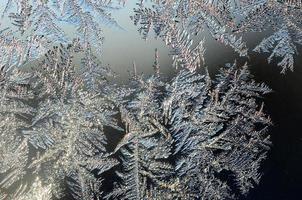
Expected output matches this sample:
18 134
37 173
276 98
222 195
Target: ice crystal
283 17
15 52
219 130
284 48
170 18
146 145
191 137
58 135
210 128
226 20
37 192
15 113
46 19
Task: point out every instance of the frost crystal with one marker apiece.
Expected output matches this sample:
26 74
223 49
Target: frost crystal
226 21
219 131
14 116
169 18
46 19
211 128
58 134
191 137
284 48
283 17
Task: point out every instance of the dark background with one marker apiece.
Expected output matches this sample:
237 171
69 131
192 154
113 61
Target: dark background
282 170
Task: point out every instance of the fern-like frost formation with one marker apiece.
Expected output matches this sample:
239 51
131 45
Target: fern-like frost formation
68 132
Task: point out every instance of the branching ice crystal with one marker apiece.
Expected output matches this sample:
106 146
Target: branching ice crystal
170 18
284 48
58 134
46 19
14 52
219 131
37 192
226 20
183 137
284 18
15 114
192 137
146 146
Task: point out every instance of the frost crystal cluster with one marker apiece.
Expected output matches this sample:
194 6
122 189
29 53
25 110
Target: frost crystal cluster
226 21
183 137
68 132
52 127
41 24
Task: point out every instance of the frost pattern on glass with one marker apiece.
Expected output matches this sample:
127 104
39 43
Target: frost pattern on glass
15 114
58 135
146 145
227 21
219 131
284 18
14 52
182 137
47 19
